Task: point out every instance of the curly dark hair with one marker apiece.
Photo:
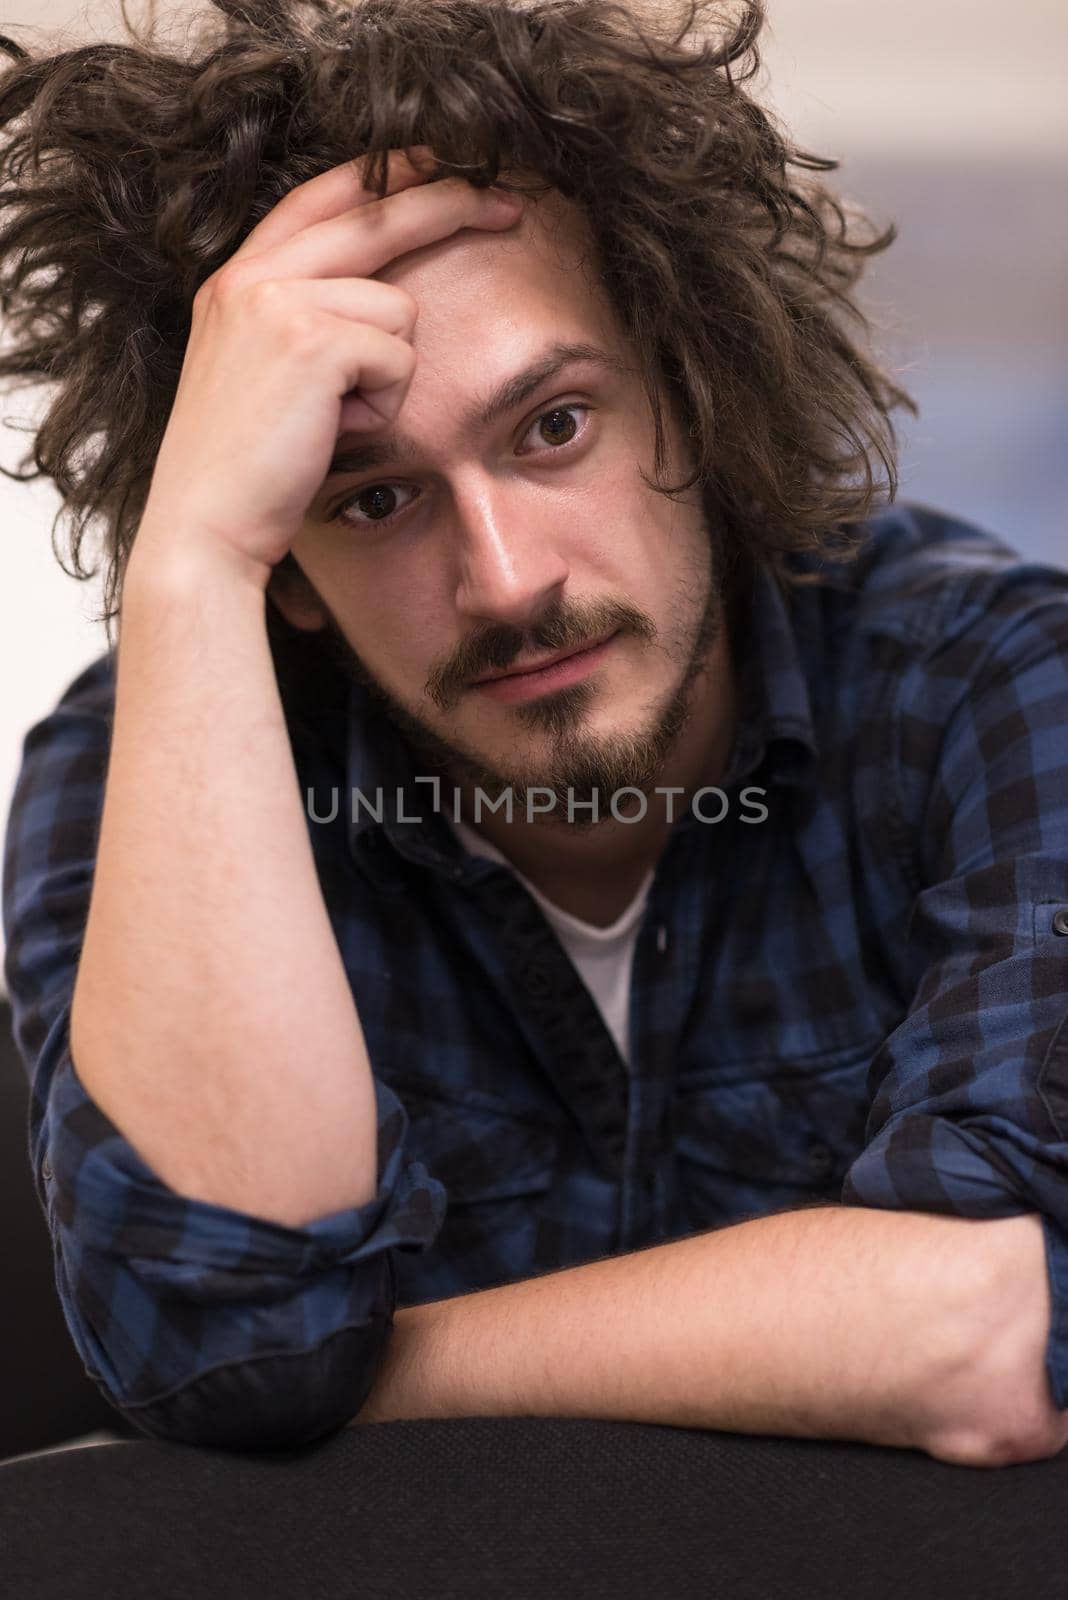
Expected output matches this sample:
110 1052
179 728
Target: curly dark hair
131 172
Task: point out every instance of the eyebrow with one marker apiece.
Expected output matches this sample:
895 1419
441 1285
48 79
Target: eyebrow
398 446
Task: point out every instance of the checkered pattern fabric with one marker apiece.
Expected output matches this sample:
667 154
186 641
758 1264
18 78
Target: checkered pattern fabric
851 988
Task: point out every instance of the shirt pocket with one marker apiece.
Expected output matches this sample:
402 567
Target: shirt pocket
495 1166
770 1136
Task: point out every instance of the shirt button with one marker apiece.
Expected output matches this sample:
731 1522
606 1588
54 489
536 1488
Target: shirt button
1060 920
820 1159
46 1168
537 982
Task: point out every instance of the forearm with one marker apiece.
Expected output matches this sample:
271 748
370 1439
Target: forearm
828 1323
212 1020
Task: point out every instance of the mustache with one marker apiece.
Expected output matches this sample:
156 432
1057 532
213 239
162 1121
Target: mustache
499 646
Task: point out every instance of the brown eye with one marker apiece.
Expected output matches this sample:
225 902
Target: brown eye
558 427
377 502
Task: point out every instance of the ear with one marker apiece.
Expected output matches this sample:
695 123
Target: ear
294 596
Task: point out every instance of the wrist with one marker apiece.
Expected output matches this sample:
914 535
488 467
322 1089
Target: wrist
175 557
186 579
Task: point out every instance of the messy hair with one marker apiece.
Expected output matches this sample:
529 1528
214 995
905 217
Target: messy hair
129 172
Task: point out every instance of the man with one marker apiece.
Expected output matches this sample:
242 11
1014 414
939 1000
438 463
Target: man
537 815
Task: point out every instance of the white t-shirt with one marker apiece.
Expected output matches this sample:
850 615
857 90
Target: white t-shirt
603 957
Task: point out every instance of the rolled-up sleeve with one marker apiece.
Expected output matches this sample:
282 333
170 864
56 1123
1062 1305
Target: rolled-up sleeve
198 1323
969 1094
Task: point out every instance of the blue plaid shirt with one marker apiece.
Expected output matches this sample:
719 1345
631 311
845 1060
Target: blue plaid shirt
863 999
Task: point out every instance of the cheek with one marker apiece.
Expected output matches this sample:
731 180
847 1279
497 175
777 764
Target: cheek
609 515
396 619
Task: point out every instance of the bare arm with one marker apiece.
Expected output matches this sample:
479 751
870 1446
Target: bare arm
212 1020
894 1328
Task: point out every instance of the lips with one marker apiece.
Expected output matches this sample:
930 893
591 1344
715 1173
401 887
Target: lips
537 666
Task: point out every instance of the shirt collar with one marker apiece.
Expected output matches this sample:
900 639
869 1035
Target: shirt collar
775 739
775 726
388 795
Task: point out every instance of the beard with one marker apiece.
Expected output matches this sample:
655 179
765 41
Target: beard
577 766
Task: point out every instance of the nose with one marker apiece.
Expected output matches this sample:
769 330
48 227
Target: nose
510 559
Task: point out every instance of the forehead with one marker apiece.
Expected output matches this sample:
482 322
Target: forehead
477 290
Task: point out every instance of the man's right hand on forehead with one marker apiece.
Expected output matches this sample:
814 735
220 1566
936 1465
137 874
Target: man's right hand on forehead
293 342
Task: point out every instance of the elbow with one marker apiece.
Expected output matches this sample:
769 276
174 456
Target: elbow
274 1401
206 1326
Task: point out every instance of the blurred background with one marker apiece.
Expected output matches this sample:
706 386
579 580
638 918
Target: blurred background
950 119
